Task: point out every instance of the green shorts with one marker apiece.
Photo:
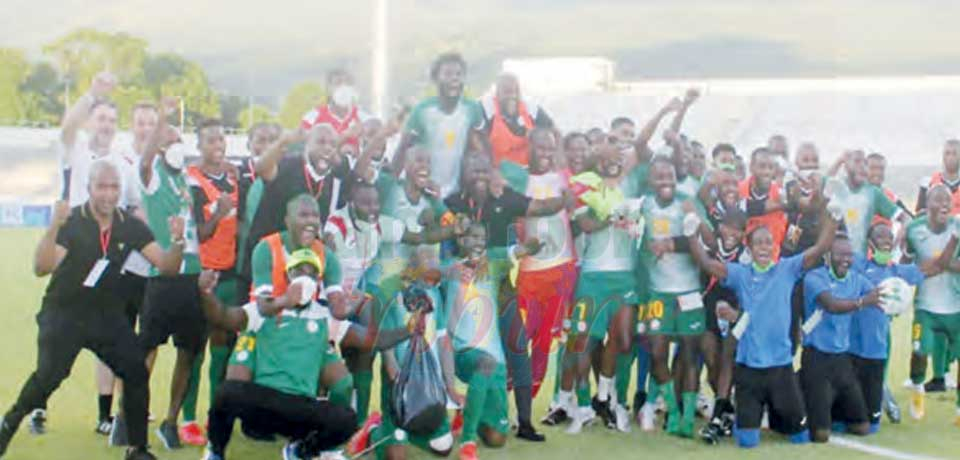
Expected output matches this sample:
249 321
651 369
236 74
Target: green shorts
388 427
494 414
927 324
599 296
662 316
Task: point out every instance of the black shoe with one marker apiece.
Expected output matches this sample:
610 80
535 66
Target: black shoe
6 434
935 385
527 432
639 399
556 416
139 453
255 434
167 432
890 406
104 427
118 433
605 412
711 432
38 421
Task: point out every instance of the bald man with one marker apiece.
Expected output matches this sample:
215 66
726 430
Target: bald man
509 120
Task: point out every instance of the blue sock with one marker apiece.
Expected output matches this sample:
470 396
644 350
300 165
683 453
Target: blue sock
802 437
747 438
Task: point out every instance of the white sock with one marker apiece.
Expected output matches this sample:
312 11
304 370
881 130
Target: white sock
605 388
919 388
565 401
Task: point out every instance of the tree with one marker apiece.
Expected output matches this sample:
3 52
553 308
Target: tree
199 99
41 94
231 109
256 114
301 98
83 53
14 69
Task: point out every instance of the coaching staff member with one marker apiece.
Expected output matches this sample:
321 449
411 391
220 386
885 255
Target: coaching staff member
85 249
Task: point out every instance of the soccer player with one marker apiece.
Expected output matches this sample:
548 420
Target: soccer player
85 250
674 310
832 293
470 301
764 358
937 306
171 305
341 110
215 197
510 120
606 289
870 328
764 203
446 124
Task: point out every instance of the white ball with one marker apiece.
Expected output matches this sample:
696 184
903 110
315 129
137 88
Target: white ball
896 296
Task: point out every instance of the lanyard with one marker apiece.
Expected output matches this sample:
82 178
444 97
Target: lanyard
309 180
105 241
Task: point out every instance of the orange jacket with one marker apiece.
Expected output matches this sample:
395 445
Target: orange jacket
278 255
775 221
505 144
219 252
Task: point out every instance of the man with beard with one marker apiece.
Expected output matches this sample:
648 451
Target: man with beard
510 120
447 124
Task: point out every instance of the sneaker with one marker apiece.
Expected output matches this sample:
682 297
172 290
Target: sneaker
468 451
527 432
648 417
361 439
167 432
711 432
118 433
765 421
209 455
38 421
556 416
951 382
582 418
6 434
104 426
704 406
918 403
935 385
192 434
291 451
727 421
139 453
602 408
332 455
890 406
621 418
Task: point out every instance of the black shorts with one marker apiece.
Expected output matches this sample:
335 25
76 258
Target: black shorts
171 306
869 374
774 387
710 299
136 287
827 380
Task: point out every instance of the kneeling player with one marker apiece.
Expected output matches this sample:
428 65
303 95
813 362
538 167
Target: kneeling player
764 360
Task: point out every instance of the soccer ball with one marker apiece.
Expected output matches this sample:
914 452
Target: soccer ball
896 296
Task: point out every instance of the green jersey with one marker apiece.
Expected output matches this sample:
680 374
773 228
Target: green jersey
167 195
674 272
395 203
288 347
937 294
859 207
261 264
612 248
471 307
445 135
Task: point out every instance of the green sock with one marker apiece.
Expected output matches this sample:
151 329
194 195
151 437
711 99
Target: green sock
940 359
624 366
362 381
219 356
583 394
475 405
189 407
673 410
689 405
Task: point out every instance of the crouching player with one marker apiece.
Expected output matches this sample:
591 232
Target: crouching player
764 359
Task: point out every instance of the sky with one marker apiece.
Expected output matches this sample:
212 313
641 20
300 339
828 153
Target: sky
262 48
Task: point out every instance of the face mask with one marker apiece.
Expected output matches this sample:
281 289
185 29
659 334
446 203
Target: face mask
344 96
309 288
176 155
759 269
882 257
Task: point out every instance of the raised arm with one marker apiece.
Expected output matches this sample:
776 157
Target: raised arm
266 164
75 117
646 133
230 319
161 137
688 99
376 144
828 230
49 254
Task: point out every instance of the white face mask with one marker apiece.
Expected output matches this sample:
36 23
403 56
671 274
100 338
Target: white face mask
344 96
176 155
308 286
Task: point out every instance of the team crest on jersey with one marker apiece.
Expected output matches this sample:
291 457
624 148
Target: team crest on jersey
243 355
641 328
655 325
312 327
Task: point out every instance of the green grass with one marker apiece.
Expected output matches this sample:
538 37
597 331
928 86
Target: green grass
72 409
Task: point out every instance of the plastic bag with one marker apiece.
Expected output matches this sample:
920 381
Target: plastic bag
419 398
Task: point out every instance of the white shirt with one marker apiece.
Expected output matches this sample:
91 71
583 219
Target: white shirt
80 158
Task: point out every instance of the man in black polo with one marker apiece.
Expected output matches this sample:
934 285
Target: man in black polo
87 249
